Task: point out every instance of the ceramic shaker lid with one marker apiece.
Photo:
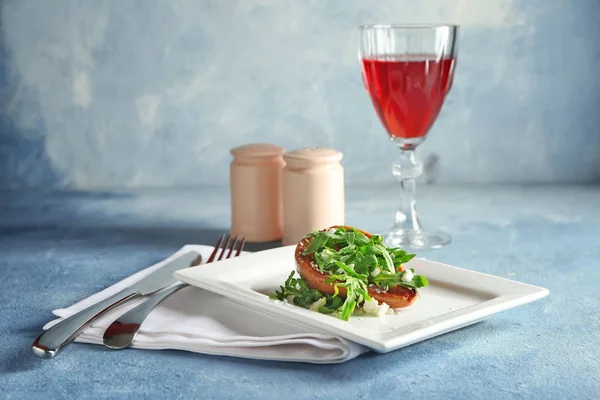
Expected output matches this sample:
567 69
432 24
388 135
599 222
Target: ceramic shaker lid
311 156
257 150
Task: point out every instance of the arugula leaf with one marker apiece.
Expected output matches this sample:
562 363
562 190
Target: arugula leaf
317 242
386 257
390 280
303 296
333 306
377 239
360 239
365 264
280 294
349 236
406 258
420 281
398 252
350 271
348 308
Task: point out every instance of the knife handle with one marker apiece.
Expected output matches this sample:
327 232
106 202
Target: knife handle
51 342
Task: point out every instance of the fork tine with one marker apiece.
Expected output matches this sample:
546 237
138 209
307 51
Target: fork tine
216 250
242 243
235 241
224 247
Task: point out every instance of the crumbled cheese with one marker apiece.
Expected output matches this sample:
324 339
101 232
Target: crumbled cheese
408 275
376 271
374 308
390 311
332 230
319 303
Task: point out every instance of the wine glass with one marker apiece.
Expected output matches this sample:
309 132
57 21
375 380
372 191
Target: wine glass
408 70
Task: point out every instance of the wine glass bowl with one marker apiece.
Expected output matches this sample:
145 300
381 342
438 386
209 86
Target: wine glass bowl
408 71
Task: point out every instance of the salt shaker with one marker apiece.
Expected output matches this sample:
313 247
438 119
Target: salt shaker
256 196
313 192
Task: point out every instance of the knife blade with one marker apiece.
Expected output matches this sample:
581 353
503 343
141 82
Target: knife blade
54 340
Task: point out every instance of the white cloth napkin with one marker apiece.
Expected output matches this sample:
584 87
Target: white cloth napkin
200 321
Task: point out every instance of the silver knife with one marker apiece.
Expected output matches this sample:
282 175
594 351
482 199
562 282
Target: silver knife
54 340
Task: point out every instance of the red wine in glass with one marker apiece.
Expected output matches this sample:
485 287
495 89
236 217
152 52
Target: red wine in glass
408 91
408 71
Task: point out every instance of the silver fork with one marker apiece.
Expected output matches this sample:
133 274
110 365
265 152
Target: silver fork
121 333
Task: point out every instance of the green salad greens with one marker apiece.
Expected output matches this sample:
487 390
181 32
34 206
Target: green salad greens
355 262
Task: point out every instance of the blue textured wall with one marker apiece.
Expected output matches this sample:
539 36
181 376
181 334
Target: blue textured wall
154 93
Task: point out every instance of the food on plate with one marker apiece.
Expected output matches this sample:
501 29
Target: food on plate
344 269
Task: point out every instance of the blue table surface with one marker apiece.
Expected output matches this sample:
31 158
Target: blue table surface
57 248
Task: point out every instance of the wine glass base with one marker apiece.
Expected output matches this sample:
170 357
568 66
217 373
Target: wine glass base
417 240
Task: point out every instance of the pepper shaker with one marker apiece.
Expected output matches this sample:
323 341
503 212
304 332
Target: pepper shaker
256 193
313 192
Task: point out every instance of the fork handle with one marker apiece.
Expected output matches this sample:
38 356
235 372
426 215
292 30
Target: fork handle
121 333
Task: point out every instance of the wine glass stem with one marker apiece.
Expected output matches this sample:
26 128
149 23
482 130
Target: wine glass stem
407 170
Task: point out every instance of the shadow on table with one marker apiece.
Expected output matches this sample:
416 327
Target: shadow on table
20 360
17 356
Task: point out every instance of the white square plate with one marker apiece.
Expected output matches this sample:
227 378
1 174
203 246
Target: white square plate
455 298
